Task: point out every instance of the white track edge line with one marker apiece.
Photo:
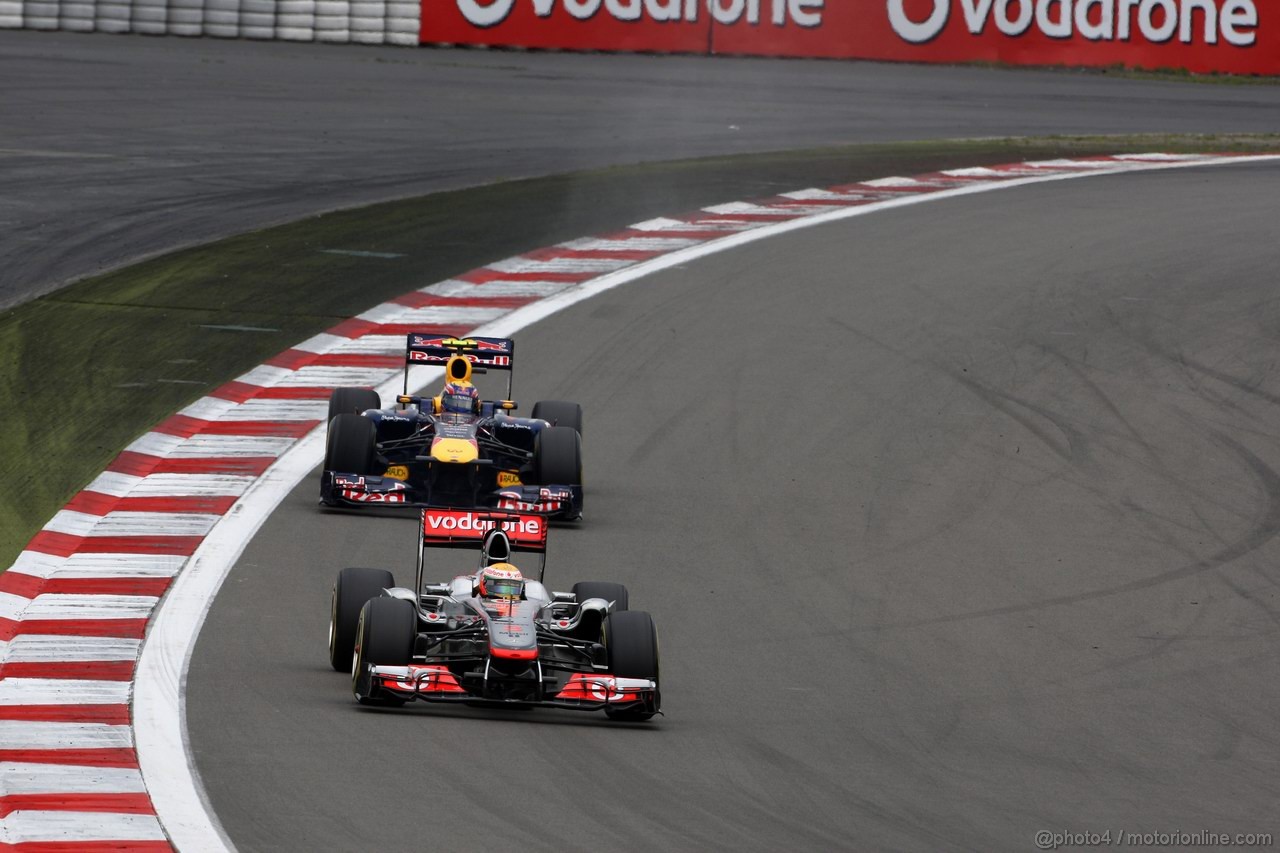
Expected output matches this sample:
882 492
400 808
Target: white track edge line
159 718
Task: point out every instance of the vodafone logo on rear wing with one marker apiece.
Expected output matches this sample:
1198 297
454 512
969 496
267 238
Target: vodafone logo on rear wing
804 13
1233 22
443 526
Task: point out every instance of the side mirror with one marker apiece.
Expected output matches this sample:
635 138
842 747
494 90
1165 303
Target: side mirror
507 405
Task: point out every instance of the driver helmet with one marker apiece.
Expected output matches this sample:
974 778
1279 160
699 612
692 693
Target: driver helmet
501 580
496 548
460 398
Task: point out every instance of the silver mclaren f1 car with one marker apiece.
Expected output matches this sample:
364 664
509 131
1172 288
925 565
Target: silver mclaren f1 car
493 635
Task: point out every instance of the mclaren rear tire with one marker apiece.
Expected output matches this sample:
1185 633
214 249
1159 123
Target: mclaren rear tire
592 623
351 590
632 643
353 401
615 592
559 413
351 444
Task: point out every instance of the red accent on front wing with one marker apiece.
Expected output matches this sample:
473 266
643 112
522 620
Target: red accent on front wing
358 496
513 654
541 507
599 688
440 680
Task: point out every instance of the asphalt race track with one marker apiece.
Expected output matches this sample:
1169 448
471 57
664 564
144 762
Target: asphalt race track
114 148
958 523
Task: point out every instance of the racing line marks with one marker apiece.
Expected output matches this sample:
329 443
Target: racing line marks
172 512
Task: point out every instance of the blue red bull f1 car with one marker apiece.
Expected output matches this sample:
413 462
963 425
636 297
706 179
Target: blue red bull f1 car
453 449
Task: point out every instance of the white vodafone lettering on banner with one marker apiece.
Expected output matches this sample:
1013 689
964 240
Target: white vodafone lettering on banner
1157 21
1059 29
624 10
1014 26
800 12
1147 22
1124 18
727 11
485 14
926 30
1237 15
1154 21
1105 28
976 14
582 9
1187 26
663 10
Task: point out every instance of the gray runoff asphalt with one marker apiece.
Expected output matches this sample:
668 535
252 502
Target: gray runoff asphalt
114 148
958 523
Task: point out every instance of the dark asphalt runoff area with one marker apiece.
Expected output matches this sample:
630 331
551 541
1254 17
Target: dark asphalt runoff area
958 523
115 148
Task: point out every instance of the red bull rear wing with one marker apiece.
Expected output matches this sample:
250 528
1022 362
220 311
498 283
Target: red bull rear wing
490 353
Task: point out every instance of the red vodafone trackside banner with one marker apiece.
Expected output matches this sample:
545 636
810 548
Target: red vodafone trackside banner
1237 36
672 26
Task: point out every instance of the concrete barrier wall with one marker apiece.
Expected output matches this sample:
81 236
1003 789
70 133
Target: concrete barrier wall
362 21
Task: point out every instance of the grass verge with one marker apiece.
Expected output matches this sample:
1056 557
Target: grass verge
89 368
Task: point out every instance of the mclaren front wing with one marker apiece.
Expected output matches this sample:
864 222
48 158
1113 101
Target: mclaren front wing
581 692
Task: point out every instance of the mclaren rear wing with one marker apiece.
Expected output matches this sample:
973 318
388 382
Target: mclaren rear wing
443 527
